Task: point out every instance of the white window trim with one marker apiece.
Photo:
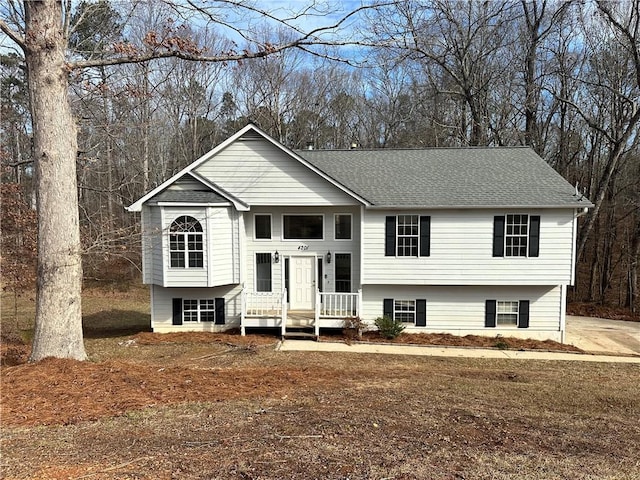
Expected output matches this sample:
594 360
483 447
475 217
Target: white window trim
528 236
303 215
517 314
415 310
186 245
255 230
198 309
335 217
407 236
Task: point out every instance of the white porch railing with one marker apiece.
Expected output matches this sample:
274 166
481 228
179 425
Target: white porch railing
263 305
273 305
338 305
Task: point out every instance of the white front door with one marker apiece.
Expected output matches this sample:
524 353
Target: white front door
303 283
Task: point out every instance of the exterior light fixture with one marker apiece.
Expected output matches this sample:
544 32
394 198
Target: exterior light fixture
276 257
329 257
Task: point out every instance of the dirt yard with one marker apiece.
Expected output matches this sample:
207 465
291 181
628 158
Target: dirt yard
228 407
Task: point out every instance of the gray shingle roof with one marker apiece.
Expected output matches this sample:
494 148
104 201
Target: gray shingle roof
447 177
187 196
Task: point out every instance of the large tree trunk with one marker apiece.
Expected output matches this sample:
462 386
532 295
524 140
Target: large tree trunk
58 331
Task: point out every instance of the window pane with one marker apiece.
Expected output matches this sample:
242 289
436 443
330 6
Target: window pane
263 226
303 227
186 224
190 305
177 259
207 310
195 241
516 235
407 236
207 305
196 259
343 227
263 272
404 311
190 311
507 313
343 272
176 242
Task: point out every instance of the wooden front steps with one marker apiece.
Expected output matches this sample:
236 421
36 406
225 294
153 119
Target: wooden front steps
300 333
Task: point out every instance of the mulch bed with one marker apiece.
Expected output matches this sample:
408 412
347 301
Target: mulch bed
448 340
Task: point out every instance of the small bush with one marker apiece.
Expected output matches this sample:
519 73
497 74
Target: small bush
353 328
388 327
501 344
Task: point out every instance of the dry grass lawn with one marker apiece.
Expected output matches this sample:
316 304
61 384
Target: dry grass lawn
226 407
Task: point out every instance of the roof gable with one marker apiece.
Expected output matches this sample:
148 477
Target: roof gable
204 170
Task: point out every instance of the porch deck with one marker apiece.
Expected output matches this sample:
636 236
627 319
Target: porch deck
270 309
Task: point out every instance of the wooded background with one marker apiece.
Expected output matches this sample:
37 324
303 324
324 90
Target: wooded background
561 77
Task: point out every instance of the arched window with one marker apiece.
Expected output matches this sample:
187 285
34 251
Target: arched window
185 243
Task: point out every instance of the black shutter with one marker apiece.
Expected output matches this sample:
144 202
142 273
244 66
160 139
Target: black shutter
387 307
219 311
534 235
390 236
523 314
177 311
490 313
425 236
498 236
421 313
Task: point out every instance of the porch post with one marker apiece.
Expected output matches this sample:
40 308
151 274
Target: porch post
283 310
317 314
243 309
359 303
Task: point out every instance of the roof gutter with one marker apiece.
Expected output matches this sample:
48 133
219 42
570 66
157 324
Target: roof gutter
584 207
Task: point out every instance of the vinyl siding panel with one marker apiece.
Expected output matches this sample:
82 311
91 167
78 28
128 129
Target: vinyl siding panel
187 183
460 310
221 224
461 251
145 238
162 307
261 174
318 248
154 238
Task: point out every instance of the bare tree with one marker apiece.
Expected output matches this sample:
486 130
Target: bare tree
464 43
540 18
43 35
614 84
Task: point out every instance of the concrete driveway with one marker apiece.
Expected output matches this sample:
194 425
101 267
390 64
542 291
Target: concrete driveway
599 335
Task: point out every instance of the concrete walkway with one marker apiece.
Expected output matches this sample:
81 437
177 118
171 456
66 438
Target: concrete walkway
612 341
436 351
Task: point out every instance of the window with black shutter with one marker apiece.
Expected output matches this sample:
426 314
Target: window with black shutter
516 235
407 236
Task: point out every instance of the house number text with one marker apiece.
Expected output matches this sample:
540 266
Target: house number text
303 247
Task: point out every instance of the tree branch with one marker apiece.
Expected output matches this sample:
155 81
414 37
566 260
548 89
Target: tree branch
305 40
13 35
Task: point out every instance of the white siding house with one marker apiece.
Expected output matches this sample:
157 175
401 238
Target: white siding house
463 241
